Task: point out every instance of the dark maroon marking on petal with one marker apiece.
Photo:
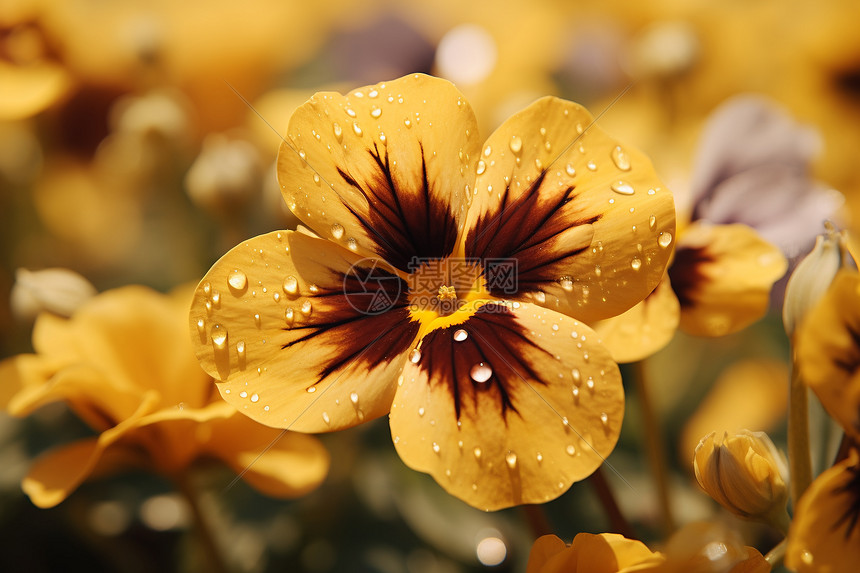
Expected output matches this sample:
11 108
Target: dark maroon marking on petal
525 229
851 489
686 273
494 338
366 338
405 224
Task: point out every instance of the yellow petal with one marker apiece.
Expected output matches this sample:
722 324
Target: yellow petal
508 408
295 334
589 553
828 351
27 90
825 532
57 473
587 220
645 328
279 464
383 169
722 275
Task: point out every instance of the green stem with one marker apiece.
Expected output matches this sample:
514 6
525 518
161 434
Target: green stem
654 445
774 556
799 458
617 522
214 561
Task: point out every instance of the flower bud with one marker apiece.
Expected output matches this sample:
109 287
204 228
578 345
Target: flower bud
60 291
746 474
814 274
225 175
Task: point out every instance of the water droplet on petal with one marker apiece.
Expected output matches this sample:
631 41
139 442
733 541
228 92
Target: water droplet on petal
619 157
516 144
375 112
352 244
570 170
291 285
481 372
353 397
622 188
577 375
487 151
481 167
356 129
461 335
421 411
243 394
312 389
604 419
592 166
539 457
325 418
201 327
436 447
636 264
338 131
337 230
665 239
240 349
306 308
570 449
511 459
237 280
289 316
255 398
415 356
207 288
566 283
218 334
477 452
652 222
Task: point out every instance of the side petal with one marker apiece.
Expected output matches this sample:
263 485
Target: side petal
645 328
279 464
722 275
383 169
301 333
587 220
828 351
510 407
825 531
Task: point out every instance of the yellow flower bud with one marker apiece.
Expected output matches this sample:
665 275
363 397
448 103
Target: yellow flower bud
60 291
746 474
814 274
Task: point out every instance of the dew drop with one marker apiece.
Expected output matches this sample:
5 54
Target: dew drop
481 372
291 285
289 315
257 320
622 188
352 244
539 457
487 151
237 280
350 112
421 411
276 296
201 327
604 419
306 308
592 166
540 296
481 167
652 222
665 239
570 170
337 230
566 283
620 159
240 349
597 270
353 397
477 452
313 288
407 123
312 389
436 447
376 112
338 131
243 394
577 376
207 288
511 459
461 335
636 263
255 398
516 144
415 356
218 334
356 128
325 418
570 449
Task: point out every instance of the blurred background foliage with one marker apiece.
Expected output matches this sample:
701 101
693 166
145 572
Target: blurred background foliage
128 156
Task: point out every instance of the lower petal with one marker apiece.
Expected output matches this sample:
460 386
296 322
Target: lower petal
510 407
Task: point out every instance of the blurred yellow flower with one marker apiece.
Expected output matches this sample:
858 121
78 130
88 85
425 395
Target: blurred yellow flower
588 553
394 305
825 531
746 474
124 365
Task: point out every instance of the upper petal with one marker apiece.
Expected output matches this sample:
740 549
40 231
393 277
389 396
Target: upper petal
587 220
383 169
723 275
510 407
302 333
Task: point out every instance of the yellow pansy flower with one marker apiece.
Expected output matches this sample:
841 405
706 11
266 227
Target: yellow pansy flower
589 553
438 284
124 365
825 531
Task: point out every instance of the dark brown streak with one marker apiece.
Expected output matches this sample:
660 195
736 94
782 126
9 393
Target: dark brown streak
364 222
851 489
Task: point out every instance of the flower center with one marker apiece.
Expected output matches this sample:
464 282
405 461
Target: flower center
445 291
